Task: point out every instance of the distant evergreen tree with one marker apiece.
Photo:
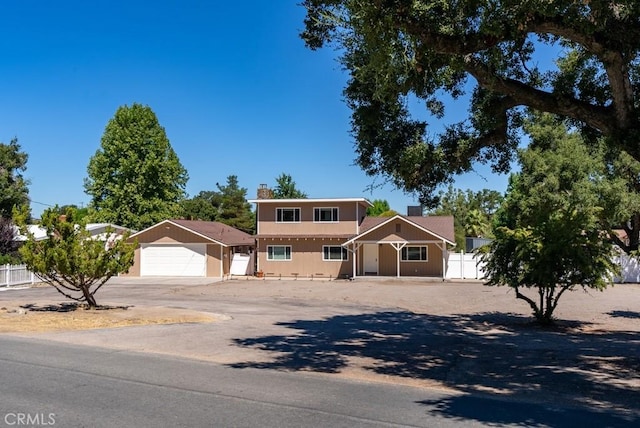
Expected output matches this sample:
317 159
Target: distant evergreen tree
234 209
286 188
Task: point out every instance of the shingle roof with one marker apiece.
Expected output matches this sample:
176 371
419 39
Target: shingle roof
217 231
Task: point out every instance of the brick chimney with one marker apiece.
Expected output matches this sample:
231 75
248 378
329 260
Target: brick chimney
264 192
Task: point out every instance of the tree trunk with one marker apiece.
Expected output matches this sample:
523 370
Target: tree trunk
88 297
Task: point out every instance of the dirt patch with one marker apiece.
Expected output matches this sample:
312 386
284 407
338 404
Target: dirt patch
34 318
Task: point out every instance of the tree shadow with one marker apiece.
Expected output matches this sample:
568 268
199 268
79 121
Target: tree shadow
493 354
68 307
495 412
624 314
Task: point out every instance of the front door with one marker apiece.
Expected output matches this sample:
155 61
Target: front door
370 259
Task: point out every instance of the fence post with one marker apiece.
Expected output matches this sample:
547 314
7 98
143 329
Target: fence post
7 274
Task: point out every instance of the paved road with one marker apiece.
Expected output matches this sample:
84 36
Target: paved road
89 377
74 386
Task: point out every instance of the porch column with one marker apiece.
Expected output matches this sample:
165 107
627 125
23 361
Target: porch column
444 260
398 246
354 262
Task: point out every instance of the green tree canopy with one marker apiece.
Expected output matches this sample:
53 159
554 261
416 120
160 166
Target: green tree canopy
80 213
8 244
70 260
13 186
549 232
135 179
204 206
378 207
234 209
286 188
472 212
575 59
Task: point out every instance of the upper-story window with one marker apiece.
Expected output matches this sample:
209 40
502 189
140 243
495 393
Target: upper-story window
325 215
287 215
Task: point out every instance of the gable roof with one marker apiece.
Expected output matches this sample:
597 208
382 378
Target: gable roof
439 226
217 232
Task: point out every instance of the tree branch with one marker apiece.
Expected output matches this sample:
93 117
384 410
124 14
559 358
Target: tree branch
525 95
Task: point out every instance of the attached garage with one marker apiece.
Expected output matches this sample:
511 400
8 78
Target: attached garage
188 248
173 260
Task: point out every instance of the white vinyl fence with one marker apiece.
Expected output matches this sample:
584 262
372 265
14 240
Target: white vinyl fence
11 275
464 266
469 266
629 269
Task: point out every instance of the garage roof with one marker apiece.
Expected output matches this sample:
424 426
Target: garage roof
213 230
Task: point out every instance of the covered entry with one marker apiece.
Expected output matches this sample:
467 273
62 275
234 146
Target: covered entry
402 246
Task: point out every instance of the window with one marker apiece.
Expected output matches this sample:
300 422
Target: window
278 252
287 215
398 228
414 254
326 215
334 253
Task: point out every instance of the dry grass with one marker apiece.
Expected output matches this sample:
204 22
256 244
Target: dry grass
30 318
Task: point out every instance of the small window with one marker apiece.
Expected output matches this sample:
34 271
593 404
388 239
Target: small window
325 215
278 252
414 254
287 215
334 253
398 227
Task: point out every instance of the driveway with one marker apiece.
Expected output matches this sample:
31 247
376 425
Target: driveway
461 337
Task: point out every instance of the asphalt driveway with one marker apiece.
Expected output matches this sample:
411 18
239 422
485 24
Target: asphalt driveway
462 337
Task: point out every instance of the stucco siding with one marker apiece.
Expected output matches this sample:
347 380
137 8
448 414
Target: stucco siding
213 260
306 259
387 262
349 214
135 269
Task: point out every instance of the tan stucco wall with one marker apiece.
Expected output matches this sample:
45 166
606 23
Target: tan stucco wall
306 259
349 216
431 267
387 258
135 269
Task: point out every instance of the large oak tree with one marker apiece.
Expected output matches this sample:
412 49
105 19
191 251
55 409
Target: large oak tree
495 54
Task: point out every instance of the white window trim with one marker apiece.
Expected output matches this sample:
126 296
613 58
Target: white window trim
343 252
280 260
337 220
414 261
290 208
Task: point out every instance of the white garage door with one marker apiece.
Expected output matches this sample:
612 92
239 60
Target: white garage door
173 260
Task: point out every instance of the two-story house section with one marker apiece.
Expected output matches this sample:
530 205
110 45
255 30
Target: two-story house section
331 238
304 237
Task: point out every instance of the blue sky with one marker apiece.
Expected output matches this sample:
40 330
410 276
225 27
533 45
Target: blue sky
231 82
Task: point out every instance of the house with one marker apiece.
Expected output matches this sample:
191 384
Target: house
191 248
329 238
97 231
